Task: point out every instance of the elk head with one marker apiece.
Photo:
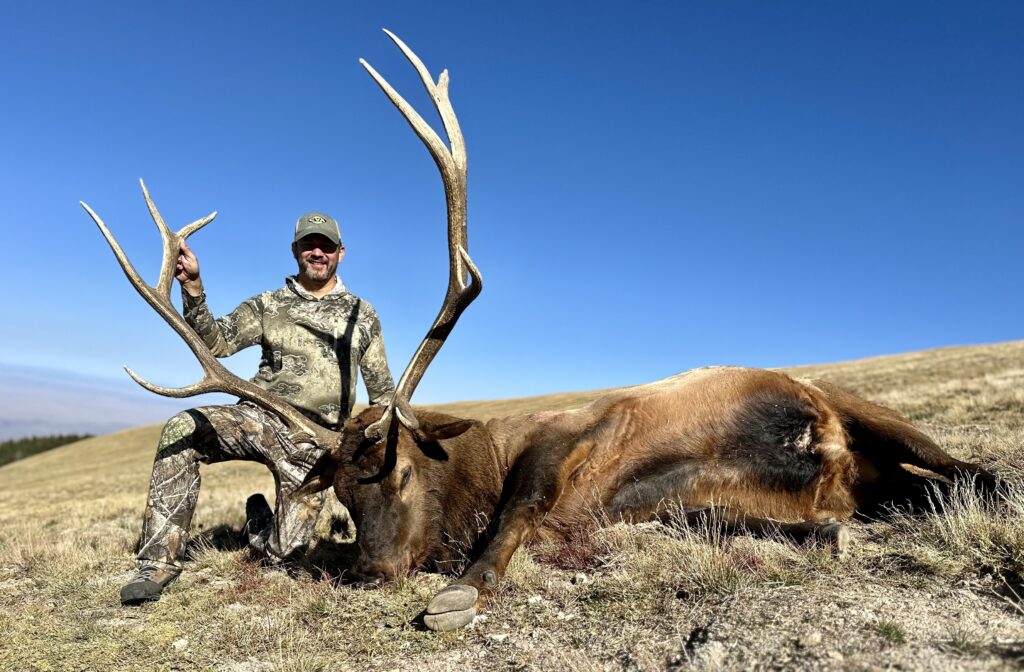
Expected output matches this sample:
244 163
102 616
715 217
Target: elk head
394 489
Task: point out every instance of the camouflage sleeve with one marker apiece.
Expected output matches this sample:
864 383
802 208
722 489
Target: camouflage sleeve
374 366
231 333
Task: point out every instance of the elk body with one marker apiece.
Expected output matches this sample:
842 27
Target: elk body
767 451
427 490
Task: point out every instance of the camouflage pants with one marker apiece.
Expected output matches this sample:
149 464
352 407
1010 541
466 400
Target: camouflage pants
215 434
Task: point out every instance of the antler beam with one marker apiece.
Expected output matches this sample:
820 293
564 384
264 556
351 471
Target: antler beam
216 378
464 280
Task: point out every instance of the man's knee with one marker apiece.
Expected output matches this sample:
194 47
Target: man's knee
177 429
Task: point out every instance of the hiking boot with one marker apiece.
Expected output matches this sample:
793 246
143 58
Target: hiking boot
258 520
259 516
148 583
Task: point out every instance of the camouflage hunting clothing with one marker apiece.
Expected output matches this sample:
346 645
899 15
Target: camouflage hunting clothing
215 434
312 347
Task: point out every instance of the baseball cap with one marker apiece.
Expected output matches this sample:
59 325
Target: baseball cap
317 222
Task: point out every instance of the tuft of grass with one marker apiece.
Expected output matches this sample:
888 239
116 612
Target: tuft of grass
964 641
965 533
891 632
316 609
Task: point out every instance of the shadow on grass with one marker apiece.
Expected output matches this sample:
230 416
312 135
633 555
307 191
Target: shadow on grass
218 537
331 560
1013 651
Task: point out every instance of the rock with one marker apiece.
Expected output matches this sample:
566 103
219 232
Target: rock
711 656
179 644
559 585
498 637
811 640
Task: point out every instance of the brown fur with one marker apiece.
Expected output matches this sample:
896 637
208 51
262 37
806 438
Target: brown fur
758 445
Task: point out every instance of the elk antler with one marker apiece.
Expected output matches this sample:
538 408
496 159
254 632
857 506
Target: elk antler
461 292
216 378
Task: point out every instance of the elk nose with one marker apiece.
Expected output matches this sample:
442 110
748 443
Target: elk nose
368 583
374 574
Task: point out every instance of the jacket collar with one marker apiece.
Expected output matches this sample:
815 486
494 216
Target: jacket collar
293 284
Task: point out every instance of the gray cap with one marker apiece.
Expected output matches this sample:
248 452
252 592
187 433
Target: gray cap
317 222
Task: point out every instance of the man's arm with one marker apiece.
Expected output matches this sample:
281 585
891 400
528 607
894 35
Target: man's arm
226 336
380 387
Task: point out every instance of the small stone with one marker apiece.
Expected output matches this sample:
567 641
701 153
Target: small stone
811 640
712 656
535 599
180 644
560 585
499 637
580 579
835 655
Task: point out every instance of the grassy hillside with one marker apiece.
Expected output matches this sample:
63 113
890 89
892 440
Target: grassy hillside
938 591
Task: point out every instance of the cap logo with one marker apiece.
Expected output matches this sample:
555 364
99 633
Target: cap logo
317 219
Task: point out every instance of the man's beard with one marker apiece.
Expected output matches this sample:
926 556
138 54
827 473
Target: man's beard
309 273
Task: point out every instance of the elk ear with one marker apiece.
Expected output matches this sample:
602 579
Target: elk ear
441 432
320 477
428 437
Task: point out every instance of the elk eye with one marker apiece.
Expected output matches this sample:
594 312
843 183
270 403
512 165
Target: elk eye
405 477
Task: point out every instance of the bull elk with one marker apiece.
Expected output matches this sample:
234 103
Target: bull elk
763 450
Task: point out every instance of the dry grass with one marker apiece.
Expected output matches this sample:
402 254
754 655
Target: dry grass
940 590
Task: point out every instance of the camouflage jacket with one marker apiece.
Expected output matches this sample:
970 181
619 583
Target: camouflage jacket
312 347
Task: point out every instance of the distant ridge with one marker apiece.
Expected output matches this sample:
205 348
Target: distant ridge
41 402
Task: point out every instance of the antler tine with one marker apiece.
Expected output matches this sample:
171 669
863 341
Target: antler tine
177 392
216 378
439 92
423 130
462 290
171 242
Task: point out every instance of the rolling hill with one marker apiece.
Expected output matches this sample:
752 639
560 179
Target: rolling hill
940 590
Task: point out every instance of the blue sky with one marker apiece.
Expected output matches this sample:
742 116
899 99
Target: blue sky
652 187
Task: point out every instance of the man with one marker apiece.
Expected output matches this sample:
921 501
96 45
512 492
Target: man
314 334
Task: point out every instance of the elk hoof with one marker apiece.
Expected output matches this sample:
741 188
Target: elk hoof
837 536
454 607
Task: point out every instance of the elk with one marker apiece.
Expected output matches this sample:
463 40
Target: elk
763 451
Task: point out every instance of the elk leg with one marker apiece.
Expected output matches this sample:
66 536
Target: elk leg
881 493
532 489
828 532
887 440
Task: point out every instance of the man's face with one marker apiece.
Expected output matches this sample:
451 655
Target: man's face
318 257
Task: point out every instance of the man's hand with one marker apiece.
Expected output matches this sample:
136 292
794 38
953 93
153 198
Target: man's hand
187 271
